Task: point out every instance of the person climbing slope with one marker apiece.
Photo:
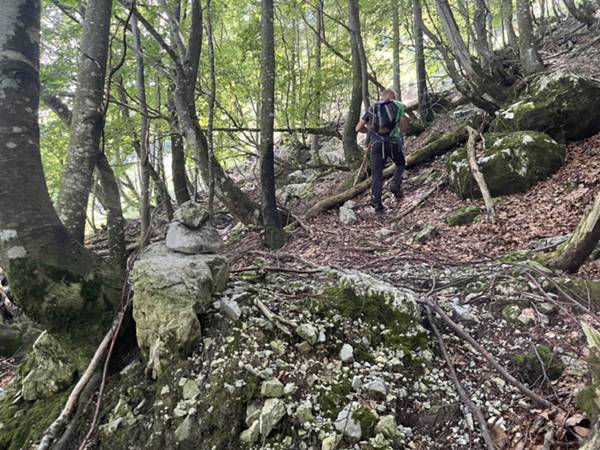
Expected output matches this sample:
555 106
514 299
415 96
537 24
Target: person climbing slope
384 122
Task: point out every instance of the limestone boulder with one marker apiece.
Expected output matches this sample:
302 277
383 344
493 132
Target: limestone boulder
183 239
47 370
171 289
512 162
561 104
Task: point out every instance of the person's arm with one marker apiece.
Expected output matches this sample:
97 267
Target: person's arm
361 126
404 124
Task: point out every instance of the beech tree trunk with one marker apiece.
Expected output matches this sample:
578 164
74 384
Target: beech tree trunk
352 152
108 193
425 110
507 18
581 14
314 141
473 71
88 118
482 45
396 49
140 82
235 200
528 52
274 234
573 253
55 280
178 171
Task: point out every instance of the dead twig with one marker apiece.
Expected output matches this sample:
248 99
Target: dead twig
272 317
274 269
460 332
485 192
475 410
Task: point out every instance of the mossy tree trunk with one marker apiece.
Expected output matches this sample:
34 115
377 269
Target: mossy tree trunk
573 253
55 280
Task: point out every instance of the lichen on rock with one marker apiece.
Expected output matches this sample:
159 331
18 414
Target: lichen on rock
512 162
560 103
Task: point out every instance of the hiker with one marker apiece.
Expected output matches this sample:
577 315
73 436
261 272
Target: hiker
383 123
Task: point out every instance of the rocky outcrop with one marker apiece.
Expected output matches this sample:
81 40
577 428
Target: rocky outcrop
171 289
561 104
48 370
512 162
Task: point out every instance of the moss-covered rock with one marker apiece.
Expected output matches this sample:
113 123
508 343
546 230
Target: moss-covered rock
463 215
367 418
512 162
47 371
530 366
24 422
361 297
171 290
561 104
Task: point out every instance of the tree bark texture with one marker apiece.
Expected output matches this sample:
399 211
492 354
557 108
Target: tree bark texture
352 152
88 118
274 234
178 171
396 48
507 18
55 280
140 82
473 71
528 52
480 22
425 110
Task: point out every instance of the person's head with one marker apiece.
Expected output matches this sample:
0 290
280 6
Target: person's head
388 94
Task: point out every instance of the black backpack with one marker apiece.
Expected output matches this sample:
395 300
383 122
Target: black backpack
384 118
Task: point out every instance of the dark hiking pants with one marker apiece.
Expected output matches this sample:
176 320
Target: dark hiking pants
380 151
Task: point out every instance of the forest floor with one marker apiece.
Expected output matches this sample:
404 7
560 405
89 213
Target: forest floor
388 250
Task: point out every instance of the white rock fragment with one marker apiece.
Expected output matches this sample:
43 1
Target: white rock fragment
347 353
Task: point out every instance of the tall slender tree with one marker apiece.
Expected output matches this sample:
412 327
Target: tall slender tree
425 110
352 152
140 82
274 234
396 48
88 118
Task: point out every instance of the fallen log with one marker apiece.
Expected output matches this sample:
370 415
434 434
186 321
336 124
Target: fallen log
436 148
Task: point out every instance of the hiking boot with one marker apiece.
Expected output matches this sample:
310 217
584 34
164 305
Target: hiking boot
398 195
